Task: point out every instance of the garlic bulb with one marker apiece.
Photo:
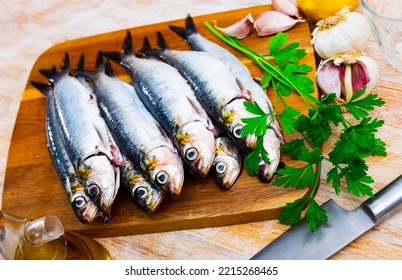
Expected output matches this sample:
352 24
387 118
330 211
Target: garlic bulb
345 31
347 74
272 22
240 29
287 7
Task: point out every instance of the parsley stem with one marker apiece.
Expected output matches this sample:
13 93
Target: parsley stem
261 62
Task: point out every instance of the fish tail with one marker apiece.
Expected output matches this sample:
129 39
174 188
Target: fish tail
162 43
147 49
127 49
53 75
109 69
80 70
45 89
187 31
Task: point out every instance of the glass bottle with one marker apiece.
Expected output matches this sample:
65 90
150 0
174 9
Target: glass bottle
45 239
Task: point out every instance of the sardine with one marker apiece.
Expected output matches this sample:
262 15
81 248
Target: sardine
137 133
214 86
142 191
199 43
83 207
85 136
227 162
171 101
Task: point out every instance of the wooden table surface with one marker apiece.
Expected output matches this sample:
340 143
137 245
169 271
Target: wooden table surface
30 27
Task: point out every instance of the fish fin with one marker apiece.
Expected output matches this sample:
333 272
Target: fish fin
162 43
100 64
109 69
203 114
81 63
147 49
187 31
113 56
81 72
45 89
128 46
244 93
53 75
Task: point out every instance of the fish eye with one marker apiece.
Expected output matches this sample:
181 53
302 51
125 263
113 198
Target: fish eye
141 192
162 177
237 130
79 202
191 154
93 190
221 167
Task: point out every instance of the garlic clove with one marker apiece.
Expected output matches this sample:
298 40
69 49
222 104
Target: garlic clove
287 7
347 74
272 22
345 31
240 29
327 78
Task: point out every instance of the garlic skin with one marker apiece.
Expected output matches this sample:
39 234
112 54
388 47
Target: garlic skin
345 31
287 7
272 22
240 29
347 74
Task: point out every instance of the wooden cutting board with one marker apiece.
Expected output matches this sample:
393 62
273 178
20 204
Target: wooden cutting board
32 188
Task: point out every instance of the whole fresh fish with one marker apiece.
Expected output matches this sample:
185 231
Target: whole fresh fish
199 43
227 162
142 191
85 136
139 136
171 101
214 85
83 207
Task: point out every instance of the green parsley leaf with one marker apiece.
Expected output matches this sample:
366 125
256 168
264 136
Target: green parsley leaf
334 178
296 74
359 107
360 186
288 119
295 177
315 215
285 55
257 155
291 212
293 148
257 125
266 80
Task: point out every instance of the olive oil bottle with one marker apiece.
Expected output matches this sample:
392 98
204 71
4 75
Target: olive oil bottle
45 239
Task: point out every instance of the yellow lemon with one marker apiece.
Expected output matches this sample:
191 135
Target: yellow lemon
316 10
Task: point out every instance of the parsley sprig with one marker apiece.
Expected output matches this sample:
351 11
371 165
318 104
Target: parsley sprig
356 141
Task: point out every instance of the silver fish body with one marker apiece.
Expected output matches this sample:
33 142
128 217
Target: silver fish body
199 43
214 86
141 139
86 138
227 162
83 207
171 101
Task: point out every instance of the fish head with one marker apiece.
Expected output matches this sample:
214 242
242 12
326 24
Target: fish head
84 208
102 181
271 144
197 147
227 166
143 192
231 117
165 168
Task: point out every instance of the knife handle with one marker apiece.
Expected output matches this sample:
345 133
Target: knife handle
386 201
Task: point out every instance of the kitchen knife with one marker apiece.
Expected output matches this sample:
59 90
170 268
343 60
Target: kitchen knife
343 226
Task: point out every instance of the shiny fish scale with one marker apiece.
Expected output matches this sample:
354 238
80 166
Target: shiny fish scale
86 138
200 43
73 187
173 104
212 81
137 133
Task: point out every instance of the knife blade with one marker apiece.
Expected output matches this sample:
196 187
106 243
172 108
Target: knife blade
343 226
